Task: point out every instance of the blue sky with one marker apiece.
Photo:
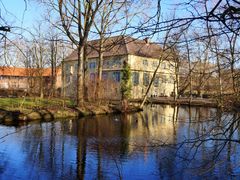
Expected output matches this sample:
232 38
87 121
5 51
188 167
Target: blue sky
18 13
21 14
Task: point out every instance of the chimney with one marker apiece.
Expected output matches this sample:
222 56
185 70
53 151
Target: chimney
147 40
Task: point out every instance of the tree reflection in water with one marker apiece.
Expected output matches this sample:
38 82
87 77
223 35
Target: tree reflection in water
160 142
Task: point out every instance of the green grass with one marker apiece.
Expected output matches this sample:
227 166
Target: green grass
30 102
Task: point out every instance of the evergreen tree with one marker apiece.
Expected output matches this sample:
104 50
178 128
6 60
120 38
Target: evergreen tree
126 82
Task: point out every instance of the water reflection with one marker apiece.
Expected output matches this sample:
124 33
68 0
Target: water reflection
162 142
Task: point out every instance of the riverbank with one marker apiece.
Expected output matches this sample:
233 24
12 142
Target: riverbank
181 101
28 109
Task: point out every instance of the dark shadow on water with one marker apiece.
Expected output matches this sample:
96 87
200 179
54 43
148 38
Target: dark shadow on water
8 115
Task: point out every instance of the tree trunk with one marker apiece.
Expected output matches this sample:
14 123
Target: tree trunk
99 73
85 90
41 87
151 82
233 78
53 67
80 89
219 78
176 81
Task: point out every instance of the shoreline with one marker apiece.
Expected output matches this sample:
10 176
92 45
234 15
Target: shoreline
46 113
181 101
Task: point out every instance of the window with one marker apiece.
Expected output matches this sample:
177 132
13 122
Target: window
145 79
74 78
68 78
154 63
171 80
116 76
14 85
22 85
92 76
75 68
164 79
164 65
135 78
67 68
104 76
169 66
106 63
4 85
145 62
156 81
92 65
116 62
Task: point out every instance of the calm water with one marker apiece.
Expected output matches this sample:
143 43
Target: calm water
161 142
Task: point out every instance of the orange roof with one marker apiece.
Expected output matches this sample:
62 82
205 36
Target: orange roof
48 71
23 72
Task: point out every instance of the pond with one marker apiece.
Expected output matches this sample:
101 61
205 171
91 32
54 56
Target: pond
162 142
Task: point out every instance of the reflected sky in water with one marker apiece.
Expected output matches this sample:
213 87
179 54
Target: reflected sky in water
162 142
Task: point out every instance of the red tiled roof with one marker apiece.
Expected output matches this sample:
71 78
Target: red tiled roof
23 72
121 45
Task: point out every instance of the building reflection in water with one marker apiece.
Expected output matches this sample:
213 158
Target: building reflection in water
142 145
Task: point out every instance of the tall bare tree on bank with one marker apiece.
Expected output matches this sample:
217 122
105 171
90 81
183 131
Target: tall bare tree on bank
53 62
101 27
215 48
162 57
107 17
55 46
176 66
112 17
77 18
189 67
231 55
39 56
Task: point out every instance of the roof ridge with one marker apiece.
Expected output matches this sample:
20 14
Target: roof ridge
110 37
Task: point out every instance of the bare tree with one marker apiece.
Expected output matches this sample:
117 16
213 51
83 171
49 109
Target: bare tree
176 66
107 17
215 47
162 57
189 67
77 18
231 54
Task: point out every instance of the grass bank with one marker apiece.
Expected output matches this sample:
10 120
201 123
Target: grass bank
26 109
31 103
